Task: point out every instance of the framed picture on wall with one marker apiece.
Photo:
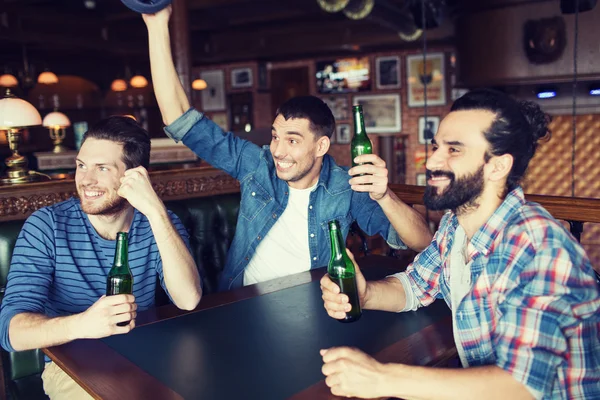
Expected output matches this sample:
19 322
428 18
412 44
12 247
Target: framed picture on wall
428 128
241 78
381 112
221 120
213 97
338 106
430 72
388 72
342 133
421 180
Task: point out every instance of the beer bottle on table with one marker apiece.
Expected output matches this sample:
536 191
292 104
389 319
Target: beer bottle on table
120 279
360 141
341 271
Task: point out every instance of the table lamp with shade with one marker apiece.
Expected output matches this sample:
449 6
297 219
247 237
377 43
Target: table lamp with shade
16 114
57 122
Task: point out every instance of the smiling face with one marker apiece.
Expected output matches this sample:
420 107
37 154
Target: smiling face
296 151
99 170
456 169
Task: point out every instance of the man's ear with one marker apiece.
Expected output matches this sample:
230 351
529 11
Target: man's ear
500 167
323 144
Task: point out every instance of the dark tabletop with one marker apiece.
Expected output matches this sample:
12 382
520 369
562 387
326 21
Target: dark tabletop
256 346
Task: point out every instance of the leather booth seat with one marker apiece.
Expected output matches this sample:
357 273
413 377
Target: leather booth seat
211 223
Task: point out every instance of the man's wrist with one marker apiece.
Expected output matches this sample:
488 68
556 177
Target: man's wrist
385 196
72 325
394 378
158 215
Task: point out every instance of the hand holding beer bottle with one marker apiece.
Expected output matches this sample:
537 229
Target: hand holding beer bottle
344 286
120 279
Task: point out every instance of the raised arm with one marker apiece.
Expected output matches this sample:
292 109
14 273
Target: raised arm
406 221
180 273
169 92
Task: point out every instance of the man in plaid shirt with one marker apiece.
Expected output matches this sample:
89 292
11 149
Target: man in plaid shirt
524 299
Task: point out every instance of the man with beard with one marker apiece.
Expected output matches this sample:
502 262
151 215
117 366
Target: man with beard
57 278
290 189
525 304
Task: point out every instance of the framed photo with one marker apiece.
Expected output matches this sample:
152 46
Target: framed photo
381 112
241 78
338 106
221 120
421 180
388 72
213 97
428 128
430 72
342 134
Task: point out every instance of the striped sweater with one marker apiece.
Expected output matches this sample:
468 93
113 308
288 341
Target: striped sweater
60 264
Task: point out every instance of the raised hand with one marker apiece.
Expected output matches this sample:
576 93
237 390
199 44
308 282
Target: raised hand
337 304
101 319
137 190
161 17
375 182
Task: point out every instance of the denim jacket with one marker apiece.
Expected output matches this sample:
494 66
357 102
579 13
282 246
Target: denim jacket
264 196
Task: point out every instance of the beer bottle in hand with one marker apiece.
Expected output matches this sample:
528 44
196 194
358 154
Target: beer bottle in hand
341 271
360 141
120 279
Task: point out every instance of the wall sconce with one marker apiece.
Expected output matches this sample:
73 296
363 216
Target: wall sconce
57 122
16 114
138 81
199 84
118 85
47 78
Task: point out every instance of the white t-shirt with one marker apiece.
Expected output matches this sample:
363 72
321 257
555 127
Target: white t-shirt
284 250
460 282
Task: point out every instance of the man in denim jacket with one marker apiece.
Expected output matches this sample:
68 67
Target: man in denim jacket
289 190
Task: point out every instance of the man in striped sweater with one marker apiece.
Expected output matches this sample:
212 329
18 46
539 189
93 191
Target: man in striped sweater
57 280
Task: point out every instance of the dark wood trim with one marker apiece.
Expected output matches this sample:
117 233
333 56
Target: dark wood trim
110 367
565 208
17 202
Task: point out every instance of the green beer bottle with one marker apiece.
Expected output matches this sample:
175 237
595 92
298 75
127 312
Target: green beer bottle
120 279
360 141
341 271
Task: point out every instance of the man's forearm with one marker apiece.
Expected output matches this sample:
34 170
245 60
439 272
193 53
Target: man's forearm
423 383
385 295
409 224
34 331
169 92
179 269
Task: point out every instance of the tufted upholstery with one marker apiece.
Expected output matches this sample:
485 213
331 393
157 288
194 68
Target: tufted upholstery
211 223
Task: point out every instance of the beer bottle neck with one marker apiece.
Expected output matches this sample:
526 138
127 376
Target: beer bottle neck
121 250
359 123
335 236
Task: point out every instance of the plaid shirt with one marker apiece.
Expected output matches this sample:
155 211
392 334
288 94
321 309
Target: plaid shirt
534 304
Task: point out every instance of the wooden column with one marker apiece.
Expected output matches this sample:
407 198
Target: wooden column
180 33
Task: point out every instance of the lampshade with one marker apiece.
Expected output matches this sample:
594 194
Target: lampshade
118 85
138 81
199 84
47 78
8 80
56 120
17 113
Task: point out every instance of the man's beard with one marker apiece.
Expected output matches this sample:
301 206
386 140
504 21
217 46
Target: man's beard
112 206
460 194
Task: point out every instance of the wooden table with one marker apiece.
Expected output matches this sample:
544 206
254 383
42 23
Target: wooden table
257 342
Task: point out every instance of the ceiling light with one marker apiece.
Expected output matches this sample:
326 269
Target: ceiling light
199 84
8 81
138 81
118 85
546 93
47 78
